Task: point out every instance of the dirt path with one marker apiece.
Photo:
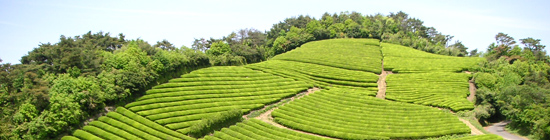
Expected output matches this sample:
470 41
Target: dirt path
475 131
473 89
382 85
266 116
498 129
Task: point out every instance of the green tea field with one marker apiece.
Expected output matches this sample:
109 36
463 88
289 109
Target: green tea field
420 94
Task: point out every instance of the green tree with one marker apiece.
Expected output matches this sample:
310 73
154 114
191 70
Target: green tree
165 45
318 30
218 48
462 50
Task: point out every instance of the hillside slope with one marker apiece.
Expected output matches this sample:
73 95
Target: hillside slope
346 71
427 79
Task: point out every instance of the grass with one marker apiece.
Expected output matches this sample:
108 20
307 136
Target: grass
518 132
469 116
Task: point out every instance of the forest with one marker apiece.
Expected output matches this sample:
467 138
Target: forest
59 87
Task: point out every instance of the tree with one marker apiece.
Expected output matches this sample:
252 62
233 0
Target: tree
200 45
219 48
532 44
462 49
165 45
353 29
474 52
502 46
318 30
504 40
327 20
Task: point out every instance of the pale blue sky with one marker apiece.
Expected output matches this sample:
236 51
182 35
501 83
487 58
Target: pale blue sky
25 24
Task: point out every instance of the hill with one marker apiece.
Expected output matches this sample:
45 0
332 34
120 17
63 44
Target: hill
61 87
344 108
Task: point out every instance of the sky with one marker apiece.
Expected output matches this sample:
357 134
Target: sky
24 24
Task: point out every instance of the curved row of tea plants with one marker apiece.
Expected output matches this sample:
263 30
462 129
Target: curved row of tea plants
320 75
401 59
441 89
349 115
482 137
351 54
256 129
184 101
125 124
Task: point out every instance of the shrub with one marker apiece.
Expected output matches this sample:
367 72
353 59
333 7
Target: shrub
215 122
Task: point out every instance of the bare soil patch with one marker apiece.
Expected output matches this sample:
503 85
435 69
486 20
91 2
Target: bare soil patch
473 89
382 85
475 131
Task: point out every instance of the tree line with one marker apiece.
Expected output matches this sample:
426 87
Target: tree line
251 45
58 86
514 84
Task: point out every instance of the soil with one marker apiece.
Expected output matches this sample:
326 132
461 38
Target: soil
107 109
382 85
472 91
473 88
475 131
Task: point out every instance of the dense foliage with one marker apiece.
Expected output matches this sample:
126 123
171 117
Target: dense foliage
216 122
514 84
250 45
59 85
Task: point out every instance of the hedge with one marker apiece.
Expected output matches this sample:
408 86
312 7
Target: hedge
85 135
114 130
127 128
149 123
101 133
446 90
215 122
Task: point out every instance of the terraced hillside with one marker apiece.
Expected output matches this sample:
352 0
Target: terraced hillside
256 129
351 54
184 101
327 64
350 115
125 124
440 89
427 79
320 75
401 59
345 108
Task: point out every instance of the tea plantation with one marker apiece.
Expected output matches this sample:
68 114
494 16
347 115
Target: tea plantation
346 71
